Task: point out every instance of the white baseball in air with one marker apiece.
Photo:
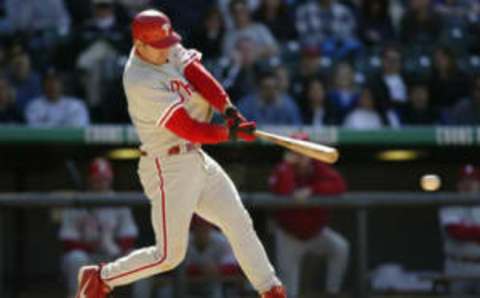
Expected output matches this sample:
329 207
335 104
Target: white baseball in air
430 182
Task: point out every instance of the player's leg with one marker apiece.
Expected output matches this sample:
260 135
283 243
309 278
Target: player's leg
172 184
220 204
289 253
71 262
337 250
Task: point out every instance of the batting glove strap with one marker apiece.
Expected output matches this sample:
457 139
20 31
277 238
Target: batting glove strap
233 116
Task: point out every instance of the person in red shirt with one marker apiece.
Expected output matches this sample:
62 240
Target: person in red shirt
298 231
461 235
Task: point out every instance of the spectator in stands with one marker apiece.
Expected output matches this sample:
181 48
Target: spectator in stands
448 84
133 7
209 259
474 26
315 111
328 25
3 57
453 12
283 79
99 43
8 111
208 38
93 234
343 95
224 6
420 25
365 114
467 111
237 72
375 24
53 108
33 17
461 235
265 44
389 88
419 111
25 81
301 231
185 14
276 16
268 106
308 68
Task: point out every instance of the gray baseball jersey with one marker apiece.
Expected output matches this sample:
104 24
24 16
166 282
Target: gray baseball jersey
154 93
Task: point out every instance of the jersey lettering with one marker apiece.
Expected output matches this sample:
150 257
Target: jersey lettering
176 85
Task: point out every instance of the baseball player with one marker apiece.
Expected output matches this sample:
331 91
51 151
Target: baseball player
209 258
93 234
171 98
301 231
461 235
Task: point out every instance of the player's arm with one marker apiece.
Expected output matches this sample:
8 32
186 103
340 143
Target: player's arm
455 227
211 90
328 181
184 126
463 232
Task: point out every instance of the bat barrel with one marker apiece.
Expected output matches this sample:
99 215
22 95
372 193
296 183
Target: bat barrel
316 151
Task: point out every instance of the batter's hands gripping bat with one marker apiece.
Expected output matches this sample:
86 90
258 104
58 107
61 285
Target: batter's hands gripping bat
312 150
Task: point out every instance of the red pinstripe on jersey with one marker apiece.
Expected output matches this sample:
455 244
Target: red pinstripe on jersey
164 230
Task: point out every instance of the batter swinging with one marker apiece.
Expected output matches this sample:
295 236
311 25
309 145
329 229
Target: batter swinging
170 100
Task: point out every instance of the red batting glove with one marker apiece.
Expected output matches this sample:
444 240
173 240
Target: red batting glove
244 131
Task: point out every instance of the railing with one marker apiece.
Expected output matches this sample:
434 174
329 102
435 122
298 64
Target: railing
361 202
126 135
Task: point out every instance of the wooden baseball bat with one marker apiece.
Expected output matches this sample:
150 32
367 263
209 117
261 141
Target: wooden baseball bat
316 151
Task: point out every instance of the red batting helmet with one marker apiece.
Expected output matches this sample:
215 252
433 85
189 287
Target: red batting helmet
470 171
155 29
100 168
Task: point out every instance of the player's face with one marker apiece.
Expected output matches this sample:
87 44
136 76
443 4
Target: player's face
151 54
100 183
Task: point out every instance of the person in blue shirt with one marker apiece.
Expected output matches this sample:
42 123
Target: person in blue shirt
25 81
267 105
343 94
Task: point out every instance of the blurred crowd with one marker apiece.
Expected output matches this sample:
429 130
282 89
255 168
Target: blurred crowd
361 64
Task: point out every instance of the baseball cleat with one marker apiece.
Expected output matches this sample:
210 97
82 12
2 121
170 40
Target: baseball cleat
275 292
90 285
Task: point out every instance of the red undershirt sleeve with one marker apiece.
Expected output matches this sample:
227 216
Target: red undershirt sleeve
70 245
463 232
206 85
184 126
126 243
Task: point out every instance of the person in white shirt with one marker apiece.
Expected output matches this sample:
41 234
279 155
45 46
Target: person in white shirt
389 87
223 5
461 236
89 234
266 45
53 109
364 116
